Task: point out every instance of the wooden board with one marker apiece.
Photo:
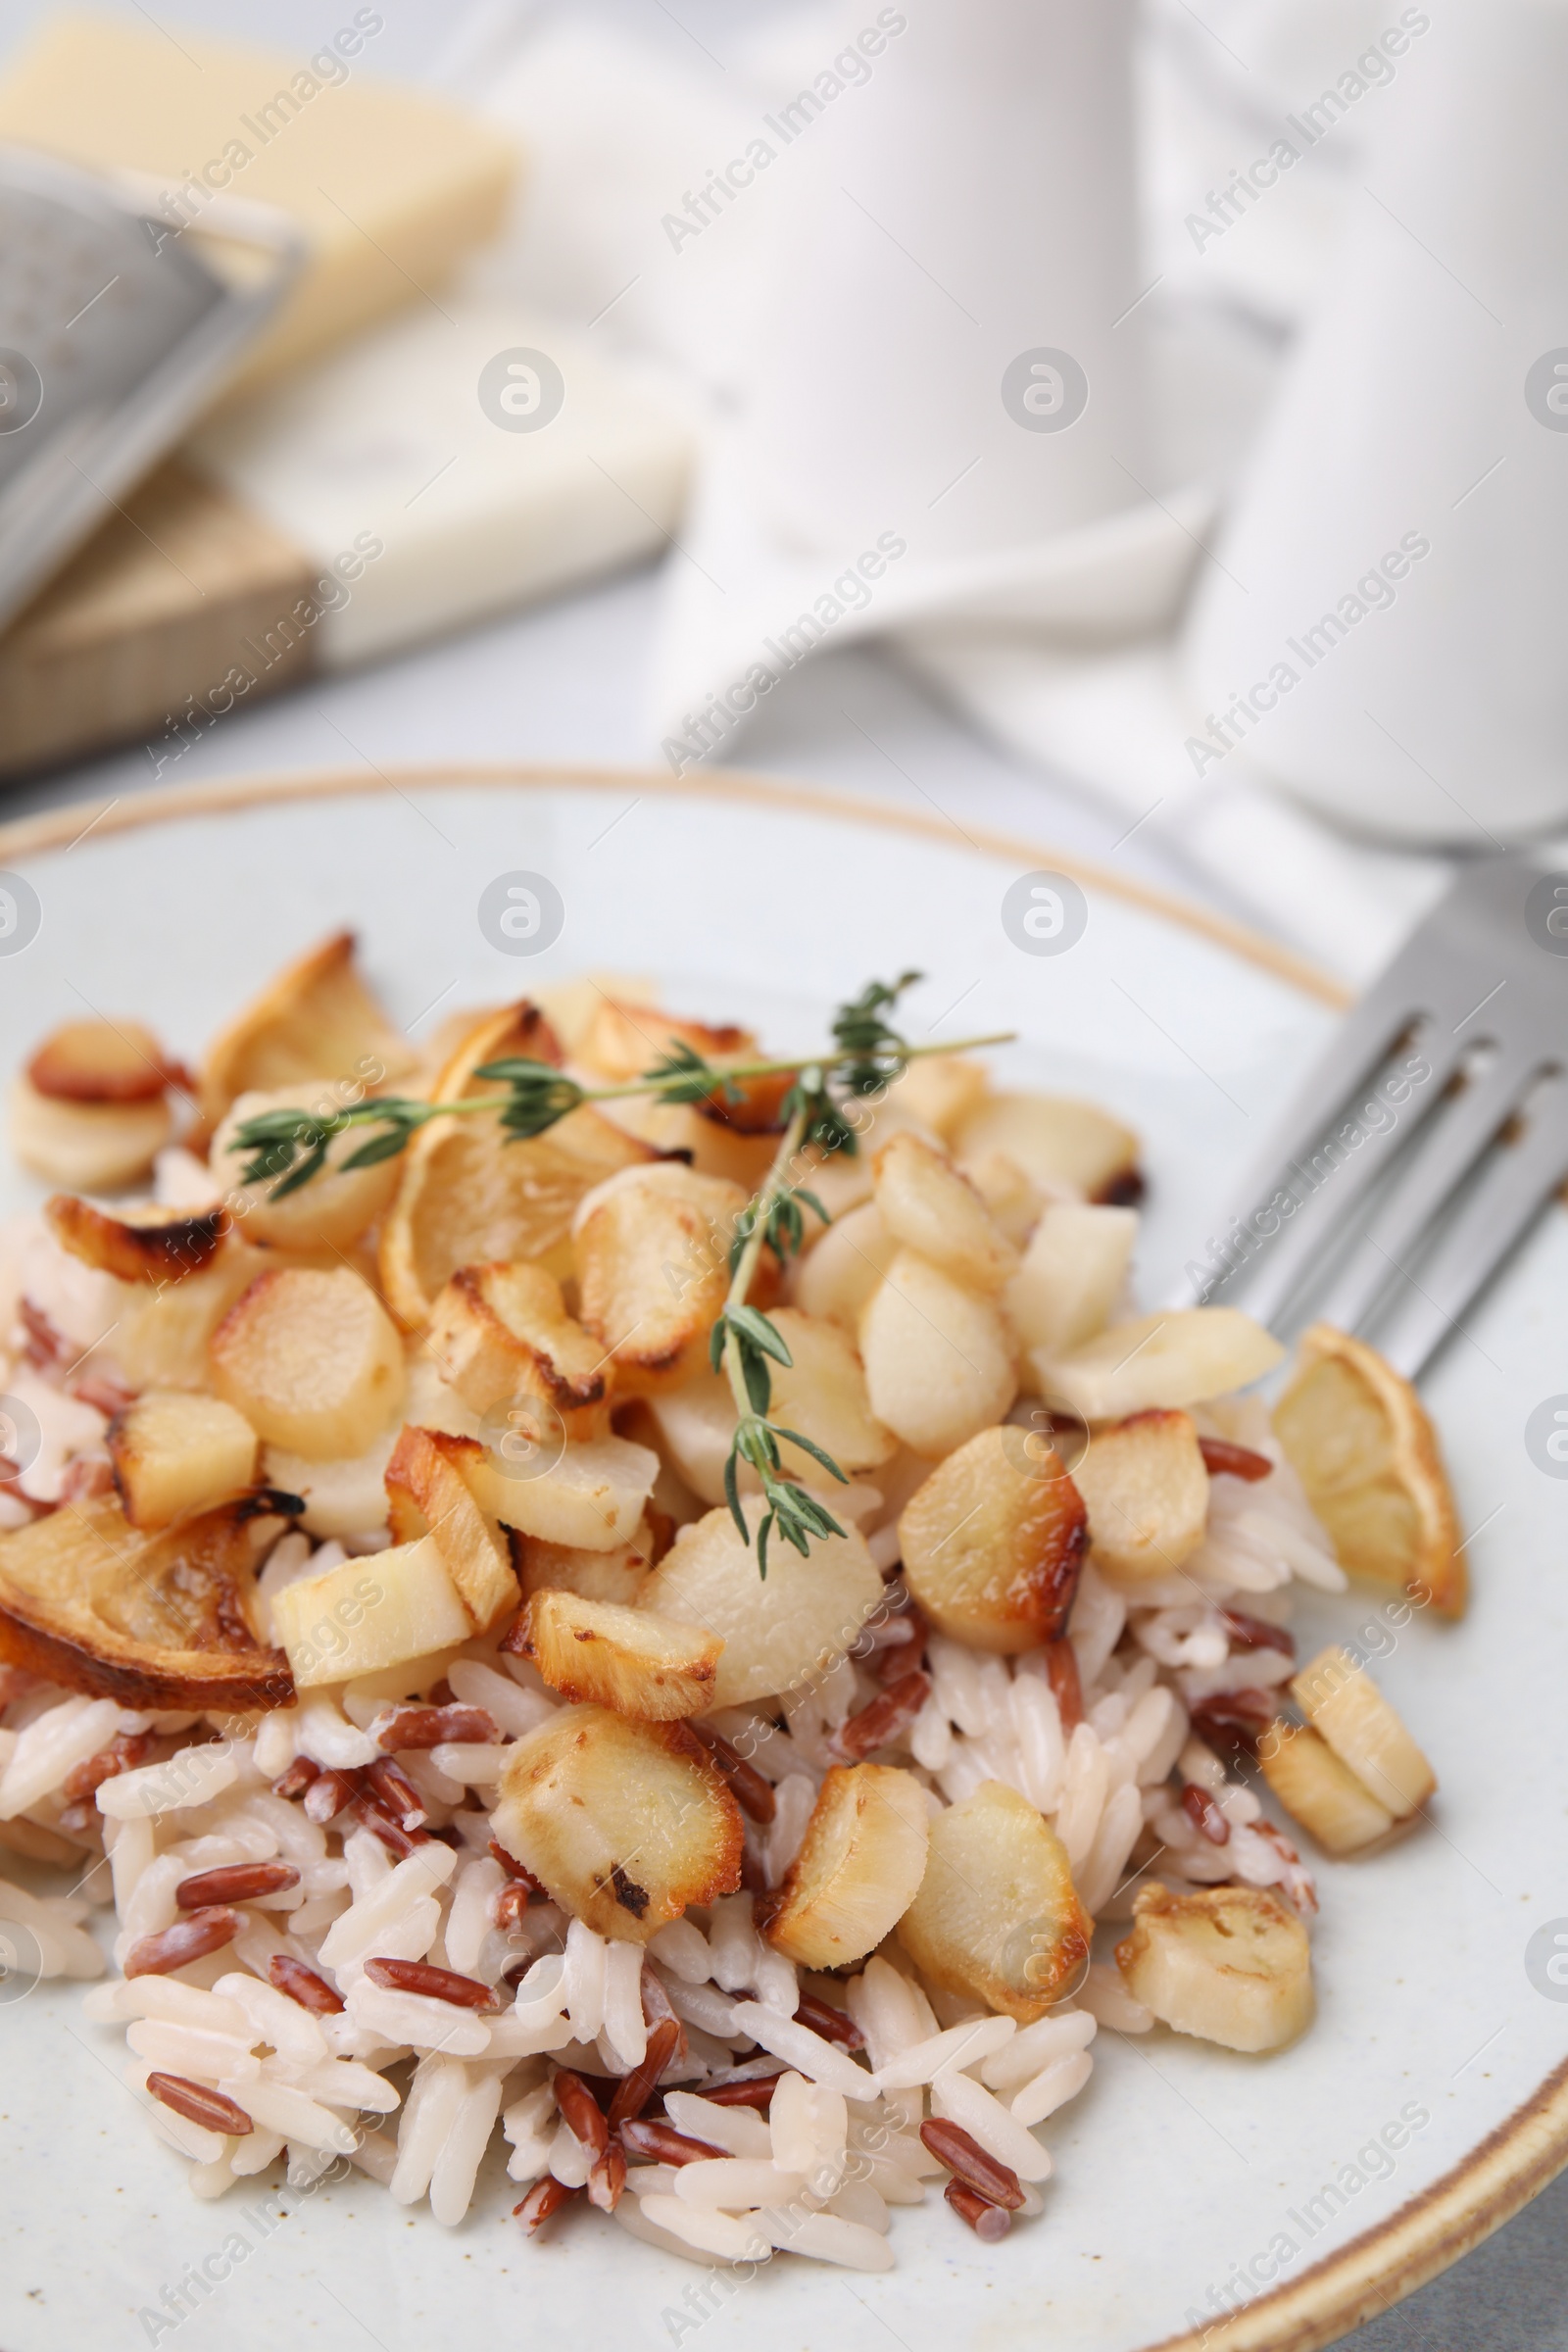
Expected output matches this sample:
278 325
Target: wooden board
177 608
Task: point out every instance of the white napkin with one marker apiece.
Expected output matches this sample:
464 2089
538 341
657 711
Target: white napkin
656 220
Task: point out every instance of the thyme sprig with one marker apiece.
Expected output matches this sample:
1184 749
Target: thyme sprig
745 1343
289 1147
821 1111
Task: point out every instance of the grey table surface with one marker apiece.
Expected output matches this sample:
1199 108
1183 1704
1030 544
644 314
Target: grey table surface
565 681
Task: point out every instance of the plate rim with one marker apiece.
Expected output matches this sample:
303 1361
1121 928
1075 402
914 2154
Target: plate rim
1521 2155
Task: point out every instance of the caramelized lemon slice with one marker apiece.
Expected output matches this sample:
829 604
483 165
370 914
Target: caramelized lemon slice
469 1197
1357 1437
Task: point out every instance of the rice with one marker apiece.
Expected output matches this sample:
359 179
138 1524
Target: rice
838 2147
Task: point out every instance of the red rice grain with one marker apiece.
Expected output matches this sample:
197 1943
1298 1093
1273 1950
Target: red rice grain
634 2091
186 1941
428 1727
395 1794
607 2178
393 1835
582 2110
968 2163
509 1905
297 1779
753 2090
834 2025
200 2104
304 1986
1234 1721
514 1869
750 1791
1256 1633
547 2196
1062 1670
122 1754
436 1984
646 2136
886 1718
1205 1814
988 2222
330 1794
1235 1461
240 1882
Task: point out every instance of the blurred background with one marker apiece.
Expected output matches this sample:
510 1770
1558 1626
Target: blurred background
1136 428
1135 425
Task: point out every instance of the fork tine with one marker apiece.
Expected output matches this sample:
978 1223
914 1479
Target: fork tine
1265 1280
1506 1200
1421 1187
1447 991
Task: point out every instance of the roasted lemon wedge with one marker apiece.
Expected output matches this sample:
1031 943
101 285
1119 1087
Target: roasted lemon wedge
159 1620
1357 1437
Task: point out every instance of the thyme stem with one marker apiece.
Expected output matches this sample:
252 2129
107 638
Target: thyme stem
745 1265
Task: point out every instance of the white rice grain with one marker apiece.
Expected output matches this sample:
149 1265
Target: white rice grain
417 2019
468 1920
702 2007
1155 1731
1105 1997
338 2082
192 1776
1085 1784
959 2047
467 1763
821 2061
293 2113
429 2112
1051 2088
623 2021
584 1980
857 2200
1115 1840
1099 1614
738 2130
930 1735
517 1711
794 1799
809 2127
189 2051
736 2184
681 1947
254 2152
570 2160
325 1735
733 2238
452 2180
412 1881
542 1994
53 1745
128 1997
1035 2046
956 1684
959 2099
823 2237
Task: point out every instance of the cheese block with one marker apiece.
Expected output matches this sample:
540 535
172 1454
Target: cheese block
390 187
363 503
405 437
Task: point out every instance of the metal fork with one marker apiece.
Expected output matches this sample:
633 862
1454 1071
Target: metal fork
1427 1139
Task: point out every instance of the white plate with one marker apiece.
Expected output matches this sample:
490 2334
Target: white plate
1181 2165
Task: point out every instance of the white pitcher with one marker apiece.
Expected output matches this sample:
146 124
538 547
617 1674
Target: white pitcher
1385 630
948 349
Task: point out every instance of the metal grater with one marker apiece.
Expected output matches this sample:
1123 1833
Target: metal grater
115 329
